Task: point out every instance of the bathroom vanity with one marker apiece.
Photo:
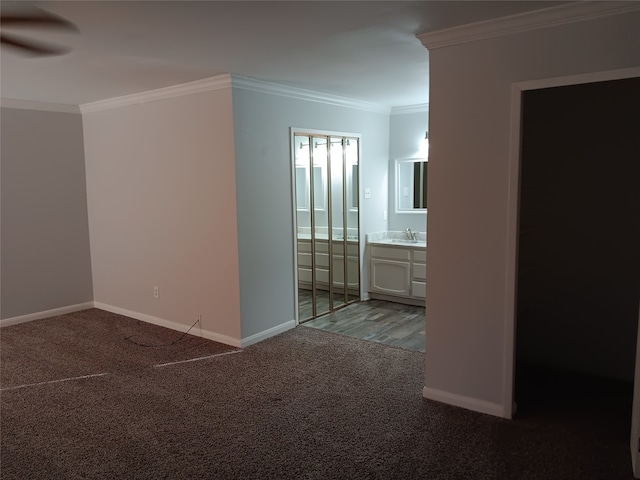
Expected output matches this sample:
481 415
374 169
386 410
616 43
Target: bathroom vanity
397 267
322 263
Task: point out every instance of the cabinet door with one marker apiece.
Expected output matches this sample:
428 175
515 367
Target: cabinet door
390 277
352 272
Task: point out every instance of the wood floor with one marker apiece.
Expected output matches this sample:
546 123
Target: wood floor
377 321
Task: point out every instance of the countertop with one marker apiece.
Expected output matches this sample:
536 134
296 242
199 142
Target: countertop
397 239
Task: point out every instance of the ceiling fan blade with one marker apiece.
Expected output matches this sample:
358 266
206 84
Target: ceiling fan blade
34 48
39 18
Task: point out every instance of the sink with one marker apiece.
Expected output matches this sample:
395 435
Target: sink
407 242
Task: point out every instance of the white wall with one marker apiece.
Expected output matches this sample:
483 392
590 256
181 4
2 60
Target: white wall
45 261
265 202
406 132
468 340
162 211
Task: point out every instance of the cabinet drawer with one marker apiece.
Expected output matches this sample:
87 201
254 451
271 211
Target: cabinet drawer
352 249
419 289
305 260
322 276
420 256
322 260
391 253
304 246
322 246
305 275
419 271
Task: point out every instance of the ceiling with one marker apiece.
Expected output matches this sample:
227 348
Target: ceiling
361 50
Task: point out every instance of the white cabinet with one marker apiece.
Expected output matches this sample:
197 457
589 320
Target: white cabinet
397 273
353 272
419 273
390 277
390 270
322 264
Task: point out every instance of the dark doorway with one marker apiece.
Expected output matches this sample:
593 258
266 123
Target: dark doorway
579 247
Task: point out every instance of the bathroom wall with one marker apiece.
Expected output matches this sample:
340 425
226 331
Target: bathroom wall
262 123
406 135
45 262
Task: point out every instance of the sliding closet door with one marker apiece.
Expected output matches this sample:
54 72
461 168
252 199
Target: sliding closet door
326 212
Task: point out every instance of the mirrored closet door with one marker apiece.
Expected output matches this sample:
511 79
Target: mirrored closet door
326 212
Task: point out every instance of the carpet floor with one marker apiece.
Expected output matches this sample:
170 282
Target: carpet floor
80 401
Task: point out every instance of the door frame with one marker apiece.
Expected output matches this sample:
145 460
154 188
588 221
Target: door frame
513 201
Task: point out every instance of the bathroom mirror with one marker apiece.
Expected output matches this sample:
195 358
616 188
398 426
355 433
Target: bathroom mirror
303 182
352 187
411 185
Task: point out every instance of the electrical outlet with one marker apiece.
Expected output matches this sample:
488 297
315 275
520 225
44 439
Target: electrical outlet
156 292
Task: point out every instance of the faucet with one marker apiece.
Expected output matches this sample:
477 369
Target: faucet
410 235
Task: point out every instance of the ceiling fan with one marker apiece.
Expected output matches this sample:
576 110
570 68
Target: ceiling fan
34 18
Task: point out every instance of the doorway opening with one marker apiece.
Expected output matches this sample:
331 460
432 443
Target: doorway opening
326 212
578 254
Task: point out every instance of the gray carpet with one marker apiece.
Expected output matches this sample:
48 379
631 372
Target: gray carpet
306 404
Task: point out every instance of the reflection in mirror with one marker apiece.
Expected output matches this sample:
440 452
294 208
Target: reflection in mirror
411 184
338 201
319 188
327 235
420 185
320 225
353 193
302 188
352 246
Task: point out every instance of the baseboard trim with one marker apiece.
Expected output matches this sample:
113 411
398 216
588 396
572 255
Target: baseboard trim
161 322
463 401
45 314
216 337
271 332
416 302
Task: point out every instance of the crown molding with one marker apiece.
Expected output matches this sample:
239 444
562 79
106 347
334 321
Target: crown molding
40 106
523 22
420 108
217 82
252 84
